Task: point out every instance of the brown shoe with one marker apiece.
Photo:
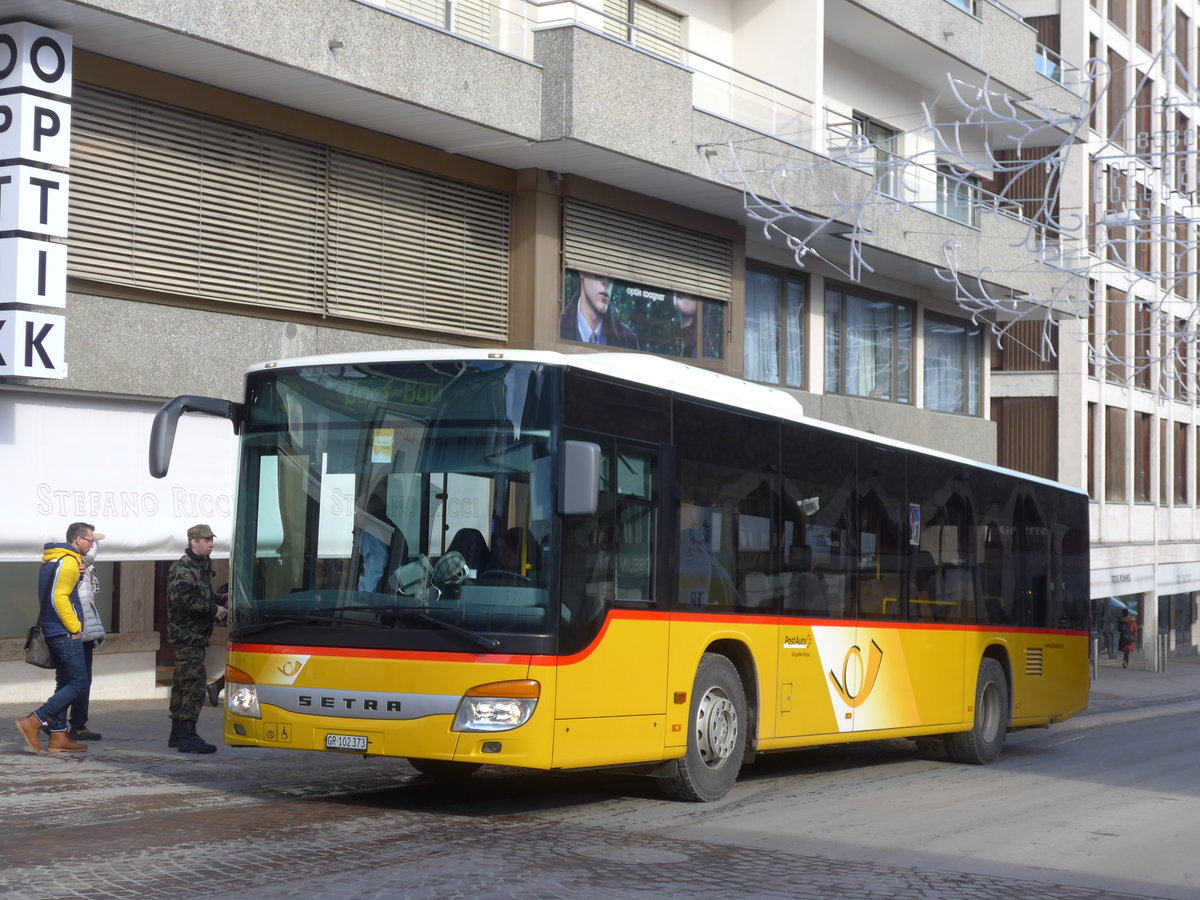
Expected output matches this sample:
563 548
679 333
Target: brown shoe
60 742
29 728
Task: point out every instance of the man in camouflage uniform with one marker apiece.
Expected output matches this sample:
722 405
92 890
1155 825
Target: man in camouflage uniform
193 607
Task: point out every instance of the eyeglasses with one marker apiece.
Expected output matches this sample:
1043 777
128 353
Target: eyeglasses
90 540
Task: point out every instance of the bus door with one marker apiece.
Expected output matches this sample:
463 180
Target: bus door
611 694
819 562
878 679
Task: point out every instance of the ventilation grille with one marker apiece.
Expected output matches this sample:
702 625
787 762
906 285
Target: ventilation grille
1033 662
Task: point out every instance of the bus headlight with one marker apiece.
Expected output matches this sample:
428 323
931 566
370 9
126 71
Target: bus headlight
499 706
241 694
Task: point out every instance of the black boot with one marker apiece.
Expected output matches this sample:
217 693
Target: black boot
176 733
190 742
214 691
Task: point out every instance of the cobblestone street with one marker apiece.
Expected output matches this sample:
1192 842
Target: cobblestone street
133 819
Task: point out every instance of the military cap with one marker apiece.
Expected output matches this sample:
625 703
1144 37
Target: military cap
200 532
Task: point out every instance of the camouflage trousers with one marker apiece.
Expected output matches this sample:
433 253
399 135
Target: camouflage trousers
187 688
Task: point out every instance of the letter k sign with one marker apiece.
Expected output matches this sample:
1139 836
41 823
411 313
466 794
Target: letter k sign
32 344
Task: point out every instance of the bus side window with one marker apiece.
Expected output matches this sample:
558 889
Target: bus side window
587 571
636 498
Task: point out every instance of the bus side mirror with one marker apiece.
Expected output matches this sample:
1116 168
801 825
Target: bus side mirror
578 478
162 432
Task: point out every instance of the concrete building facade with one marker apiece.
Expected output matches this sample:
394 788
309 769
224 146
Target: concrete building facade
250 181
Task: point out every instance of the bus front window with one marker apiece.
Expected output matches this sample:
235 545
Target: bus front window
380 504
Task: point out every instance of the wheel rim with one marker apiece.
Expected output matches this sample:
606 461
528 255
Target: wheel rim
716 728
989 713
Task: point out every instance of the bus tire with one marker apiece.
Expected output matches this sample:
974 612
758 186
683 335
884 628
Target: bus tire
444 769
716 734
982 744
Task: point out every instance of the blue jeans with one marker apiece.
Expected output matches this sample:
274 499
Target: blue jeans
77 715
71 678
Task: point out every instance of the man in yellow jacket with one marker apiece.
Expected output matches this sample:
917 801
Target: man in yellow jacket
61 619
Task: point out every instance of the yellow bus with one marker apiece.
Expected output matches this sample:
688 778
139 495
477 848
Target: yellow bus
564 562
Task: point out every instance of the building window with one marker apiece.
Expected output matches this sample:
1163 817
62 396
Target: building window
1027 434
868 346
774 343
1182 27
1117 97
1115 454
1141 457
957 195
1143 342
1183 353
952 365
1164 455
1115 330
1091 449
1025 346
646 25
1145 23
1118 14
1181 485
875 147
1196 471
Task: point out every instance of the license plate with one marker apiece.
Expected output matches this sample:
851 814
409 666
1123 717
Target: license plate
345 742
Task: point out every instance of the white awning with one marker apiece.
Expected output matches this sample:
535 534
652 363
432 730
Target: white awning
67 458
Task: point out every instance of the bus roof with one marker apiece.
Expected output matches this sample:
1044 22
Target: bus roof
647 370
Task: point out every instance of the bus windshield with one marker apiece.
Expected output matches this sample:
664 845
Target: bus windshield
395 505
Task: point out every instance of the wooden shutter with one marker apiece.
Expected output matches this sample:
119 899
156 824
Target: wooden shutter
632 248
1027 434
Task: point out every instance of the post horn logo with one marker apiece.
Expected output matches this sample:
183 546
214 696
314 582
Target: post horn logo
852 665
290 668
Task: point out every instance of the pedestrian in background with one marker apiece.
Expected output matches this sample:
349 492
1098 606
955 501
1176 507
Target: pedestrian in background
60 616
193 609
93 637
1127 632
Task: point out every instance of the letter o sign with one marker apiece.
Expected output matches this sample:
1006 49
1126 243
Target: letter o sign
33 58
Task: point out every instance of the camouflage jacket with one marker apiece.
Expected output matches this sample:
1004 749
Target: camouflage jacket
191 601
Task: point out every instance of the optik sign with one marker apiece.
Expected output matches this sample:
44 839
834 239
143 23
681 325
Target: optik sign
35 151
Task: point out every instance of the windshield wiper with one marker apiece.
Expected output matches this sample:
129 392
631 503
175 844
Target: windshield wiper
474 637
272 621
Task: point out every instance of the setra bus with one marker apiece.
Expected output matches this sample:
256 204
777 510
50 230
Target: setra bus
565 562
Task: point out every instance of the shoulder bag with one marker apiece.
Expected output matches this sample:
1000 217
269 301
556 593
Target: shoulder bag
37 651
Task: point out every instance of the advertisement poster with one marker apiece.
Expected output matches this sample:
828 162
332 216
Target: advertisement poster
630 316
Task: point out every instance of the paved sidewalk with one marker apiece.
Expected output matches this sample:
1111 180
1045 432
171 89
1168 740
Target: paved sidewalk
1118 688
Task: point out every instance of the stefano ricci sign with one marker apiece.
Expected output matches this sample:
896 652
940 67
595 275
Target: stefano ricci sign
35 151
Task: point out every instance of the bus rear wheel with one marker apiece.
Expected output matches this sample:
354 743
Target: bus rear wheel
444 769
716 734
982 744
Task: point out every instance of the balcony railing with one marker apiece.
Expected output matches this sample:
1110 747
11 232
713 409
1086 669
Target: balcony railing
721 90
922 182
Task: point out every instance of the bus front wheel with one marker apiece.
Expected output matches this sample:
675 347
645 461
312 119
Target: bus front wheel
443 769
716 734
982 744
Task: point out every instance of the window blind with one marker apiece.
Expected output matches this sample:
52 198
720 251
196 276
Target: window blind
168 200
608 242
